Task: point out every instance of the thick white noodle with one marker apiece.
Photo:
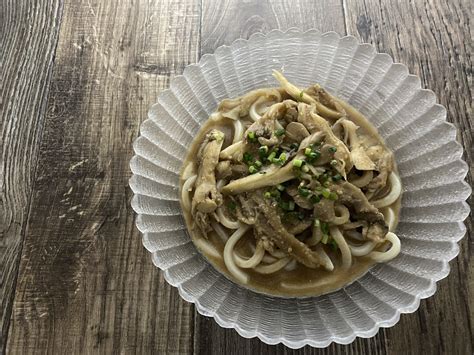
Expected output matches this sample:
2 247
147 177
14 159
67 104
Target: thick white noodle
254 111
253 261
328 264
188 171
206 247
291 265
393 195
389 215
228 152
229 253
220 231
271 268
226 222
187 188
361 250
279 254
343 215
238 131
341 243
391 253
364 180
267 259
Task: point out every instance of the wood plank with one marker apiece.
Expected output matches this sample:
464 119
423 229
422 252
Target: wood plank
432 39
86 284
382 25
26 59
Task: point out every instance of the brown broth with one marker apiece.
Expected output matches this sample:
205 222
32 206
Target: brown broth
302 281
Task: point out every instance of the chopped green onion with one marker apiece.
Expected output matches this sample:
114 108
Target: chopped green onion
314 199
271 157
284 205
282 157
333 149
325 238
280 187
248 157
314 155
333 244
333 162
280 132
301 95
326 183
307 151
258 163
291 205
326 193
303 192
275 193
294 146
305 168
317 223
252 169
325 228
298 163
333 196
251 136
337 177
232 205
267 194
263 150
277 161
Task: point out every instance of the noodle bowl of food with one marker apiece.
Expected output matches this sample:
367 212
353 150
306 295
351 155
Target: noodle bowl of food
288 203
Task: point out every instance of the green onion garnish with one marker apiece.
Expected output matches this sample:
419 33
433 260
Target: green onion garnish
294 146
280 187
232 205
267 194
317 223
337 177
291 205
314 155
305 168
271 157
258 163
301 95
326 193
333 196
248 157
325 238
333 244
332 149
333 162
325 228
251 136
263 150
307 151
298 163
326 183
252 169
280 132
314 199
303 192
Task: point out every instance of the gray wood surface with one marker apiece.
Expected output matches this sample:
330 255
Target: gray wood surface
77 78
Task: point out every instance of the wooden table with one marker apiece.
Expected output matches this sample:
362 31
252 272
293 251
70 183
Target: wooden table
77 78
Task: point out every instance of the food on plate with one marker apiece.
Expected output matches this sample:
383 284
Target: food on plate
291 192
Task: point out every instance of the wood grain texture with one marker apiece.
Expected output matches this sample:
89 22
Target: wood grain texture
26 60
398 30
86 284
432 39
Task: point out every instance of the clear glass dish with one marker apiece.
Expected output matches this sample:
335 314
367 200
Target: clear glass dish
408 118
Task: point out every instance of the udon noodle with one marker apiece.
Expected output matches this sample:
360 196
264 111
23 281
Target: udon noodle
290 191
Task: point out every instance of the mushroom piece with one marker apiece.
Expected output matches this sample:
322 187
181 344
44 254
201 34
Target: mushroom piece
296 131
206 197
